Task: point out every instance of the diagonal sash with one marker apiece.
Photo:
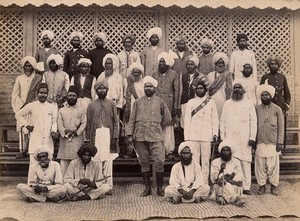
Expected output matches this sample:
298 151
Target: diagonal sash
200 106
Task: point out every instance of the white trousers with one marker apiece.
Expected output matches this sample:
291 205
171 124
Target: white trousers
107 170
202 153
267 168
27 191
64 164
246 167
93 194
32 160
203 191
230 192
169 139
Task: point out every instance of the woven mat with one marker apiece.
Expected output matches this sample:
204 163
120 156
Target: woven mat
125 204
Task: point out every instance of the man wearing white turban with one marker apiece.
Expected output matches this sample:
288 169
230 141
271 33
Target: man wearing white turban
206 58
57 80
270 136
42 54
238 123
23 93
241 56
168 89
150 53
186 179
149 116
72 56
133 87
220 81
128 55
97 54
113 78
230 169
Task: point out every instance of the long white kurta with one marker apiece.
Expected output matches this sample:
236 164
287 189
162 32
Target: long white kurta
238 123
44 119
251 85
237 60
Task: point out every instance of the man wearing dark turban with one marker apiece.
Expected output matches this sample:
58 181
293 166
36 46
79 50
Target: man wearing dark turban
85 173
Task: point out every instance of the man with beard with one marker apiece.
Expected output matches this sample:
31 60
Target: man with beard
128 55
220 81
186 179
45 181
133 89
42 124
206 59
24 92
149 116
42 54
71 125
241 56
150 53
56 79
227 175
201 124
238 123
168 89
103 128
85 174
113 78
250 83
270 134
72 56
97 54
85 82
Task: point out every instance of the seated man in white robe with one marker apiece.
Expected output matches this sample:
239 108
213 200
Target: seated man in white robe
85 175
230 168
45 181
186 180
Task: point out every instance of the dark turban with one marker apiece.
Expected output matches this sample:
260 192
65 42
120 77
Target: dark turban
200 80
87 147
42 85
131 37
240 36
74 89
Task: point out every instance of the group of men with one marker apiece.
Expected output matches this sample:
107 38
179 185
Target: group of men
87 101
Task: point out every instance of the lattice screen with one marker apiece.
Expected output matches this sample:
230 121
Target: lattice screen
268 34
117 24
196 25
11 40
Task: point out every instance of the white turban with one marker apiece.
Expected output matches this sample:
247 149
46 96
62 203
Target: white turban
31 61
154 31
100 35
136 65
206 41
50 34
225 143
41 149
265 87
167 57
114 58
151 80
84 60
76 34
240 81
186 144
220 55
194 59
56 57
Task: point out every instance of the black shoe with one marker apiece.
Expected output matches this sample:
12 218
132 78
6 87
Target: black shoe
262 190
176 200
146 192
159 183
247 192
274 190
147 183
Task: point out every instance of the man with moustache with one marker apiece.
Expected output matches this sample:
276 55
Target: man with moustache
102 128
71 124
149 116
186 179
238 123
150 53
45 181
227 175
113 78
206 59
133 89
241 56
42 124
201 124
24 92
85 174
270 135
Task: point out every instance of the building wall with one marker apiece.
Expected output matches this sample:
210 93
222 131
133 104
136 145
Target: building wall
269 31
